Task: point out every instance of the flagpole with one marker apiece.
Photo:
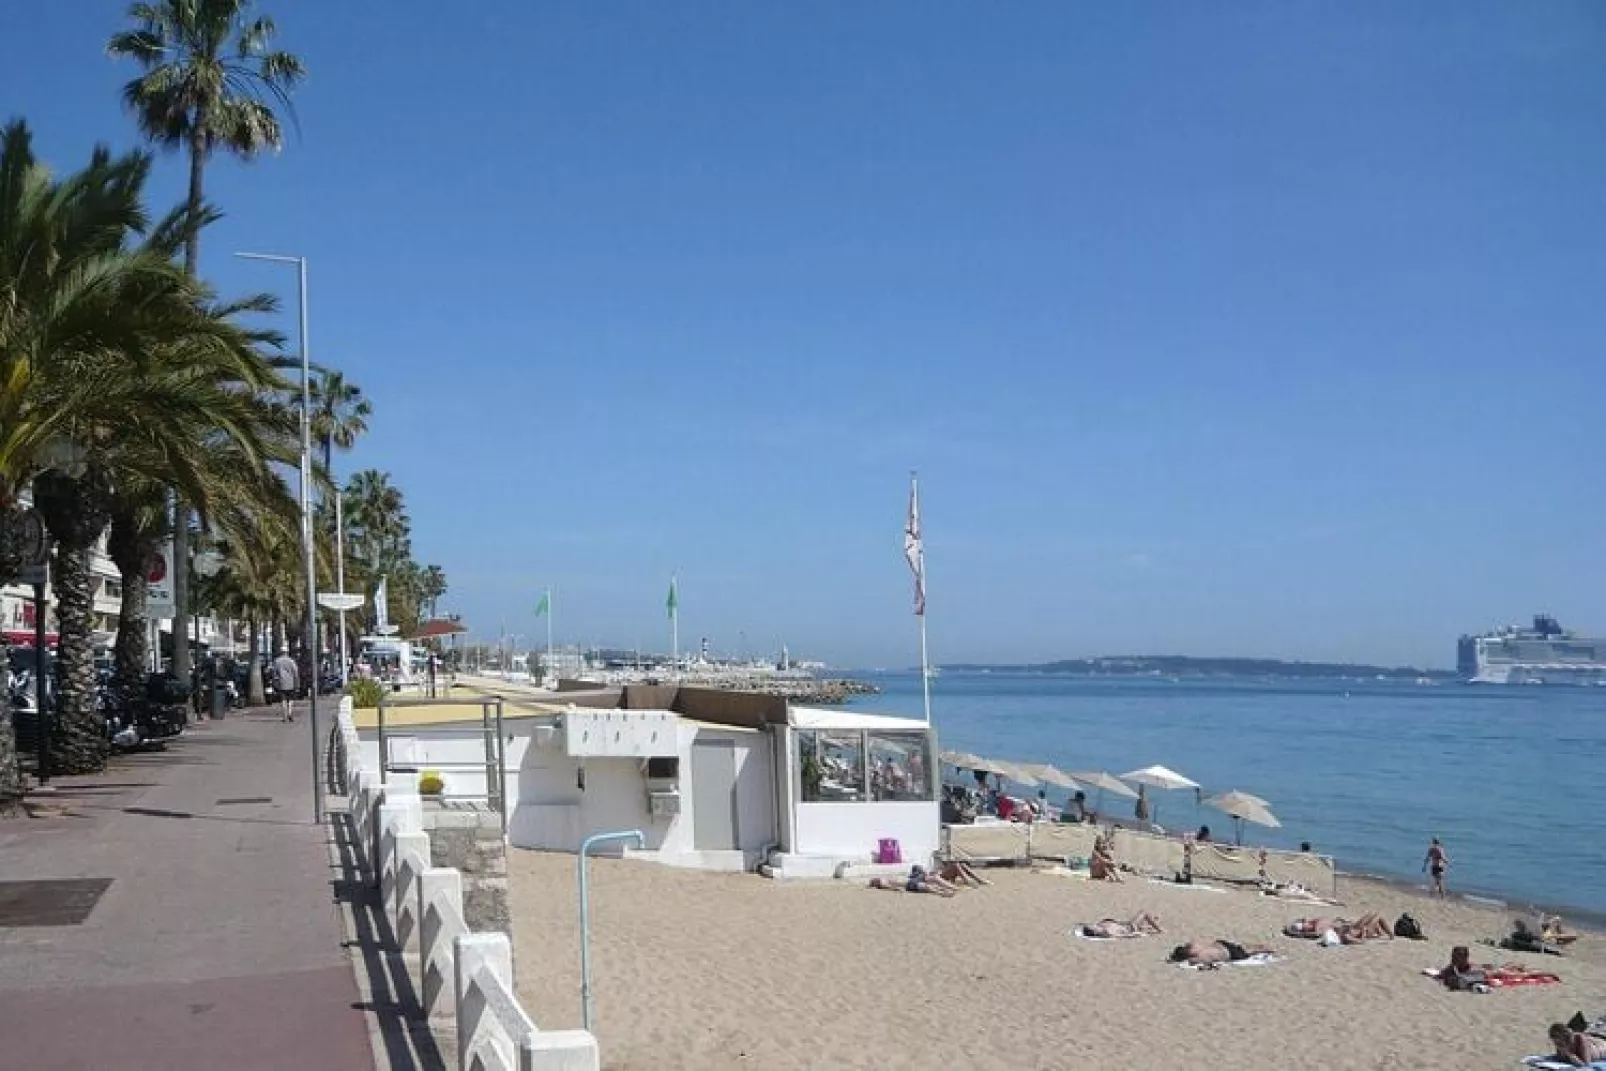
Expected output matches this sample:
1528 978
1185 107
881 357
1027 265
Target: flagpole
674 623
925 665
549 665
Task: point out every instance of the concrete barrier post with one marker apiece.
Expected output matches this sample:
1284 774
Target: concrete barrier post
393 822
560 1050
474 951
440 895
412 856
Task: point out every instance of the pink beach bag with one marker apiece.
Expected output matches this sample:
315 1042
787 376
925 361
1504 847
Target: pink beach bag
888 850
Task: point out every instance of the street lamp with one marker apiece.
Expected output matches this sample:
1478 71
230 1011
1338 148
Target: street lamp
306 524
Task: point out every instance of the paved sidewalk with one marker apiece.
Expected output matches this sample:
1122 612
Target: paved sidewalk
217 943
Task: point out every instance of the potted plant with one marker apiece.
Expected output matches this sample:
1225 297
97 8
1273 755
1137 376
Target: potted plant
365 692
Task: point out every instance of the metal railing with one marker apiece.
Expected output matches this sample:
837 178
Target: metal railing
495 764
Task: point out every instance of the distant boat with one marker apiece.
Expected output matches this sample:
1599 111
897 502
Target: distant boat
933 672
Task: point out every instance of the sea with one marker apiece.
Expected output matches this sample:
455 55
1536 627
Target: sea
1512 779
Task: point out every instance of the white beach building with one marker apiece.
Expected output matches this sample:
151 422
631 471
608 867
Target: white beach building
713 779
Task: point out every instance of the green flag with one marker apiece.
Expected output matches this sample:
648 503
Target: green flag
674 600
544 607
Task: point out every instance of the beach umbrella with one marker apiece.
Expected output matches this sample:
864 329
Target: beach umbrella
964 760
1018 774
1159 777
1244 808
1103 782
1051 776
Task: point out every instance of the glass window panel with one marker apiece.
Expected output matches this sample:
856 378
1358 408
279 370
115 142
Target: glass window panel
899 766
832 766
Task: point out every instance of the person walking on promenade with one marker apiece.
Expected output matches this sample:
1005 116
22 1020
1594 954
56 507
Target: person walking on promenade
286 681
1438 861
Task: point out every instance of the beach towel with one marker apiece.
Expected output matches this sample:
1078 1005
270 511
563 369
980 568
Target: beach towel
1194 887
1499 979
1259 959
1505 980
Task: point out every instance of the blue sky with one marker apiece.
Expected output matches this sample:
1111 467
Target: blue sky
1255 328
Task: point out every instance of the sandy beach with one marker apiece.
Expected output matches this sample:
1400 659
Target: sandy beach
697 970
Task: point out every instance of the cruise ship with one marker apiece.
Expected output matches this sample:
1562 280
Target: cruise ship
1542 654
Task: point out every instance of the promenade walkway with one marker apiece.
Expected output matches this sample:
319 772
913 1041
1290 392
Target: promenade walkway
210 932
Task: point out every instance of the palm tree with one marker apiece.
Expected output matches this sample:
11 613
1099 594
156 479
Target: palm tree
432 587
109 345
210 73
339 414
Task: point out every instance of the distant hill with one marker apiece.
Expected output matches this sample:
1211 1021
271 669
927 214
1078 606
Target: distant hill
1190 666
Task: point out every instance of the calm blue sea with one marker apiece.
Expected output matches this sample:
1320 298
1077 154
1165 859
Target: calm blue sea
1512 779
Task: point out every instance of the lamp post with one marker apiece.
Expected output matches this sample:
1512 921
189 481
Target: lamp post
306 524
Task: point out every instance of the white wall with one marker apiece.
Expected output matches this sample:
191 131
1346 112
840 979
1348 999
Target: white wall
852 829
549 810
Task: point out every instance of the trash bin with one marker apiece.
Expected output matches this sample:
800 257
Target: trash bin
220 700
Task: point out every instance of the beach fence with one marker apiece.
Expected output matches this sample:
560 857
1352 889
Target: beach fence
465 979
1146 853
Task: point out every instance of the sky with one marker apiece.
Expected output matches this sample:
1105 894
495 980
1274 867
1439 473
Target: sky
1264 329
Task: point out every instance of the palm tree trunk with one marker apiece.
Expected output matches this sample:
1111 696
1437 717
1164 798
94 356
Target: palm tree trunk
181 512
256 695
10 772
133 625
79 745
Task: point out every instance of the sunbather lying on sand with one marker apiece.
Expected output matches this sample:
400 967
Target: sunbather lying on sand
1139 925
1199 953
1294 891
1575 1047
1368 927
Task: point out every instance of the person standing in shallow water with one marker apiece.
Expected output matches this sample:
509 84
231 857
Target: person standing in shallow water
1437 861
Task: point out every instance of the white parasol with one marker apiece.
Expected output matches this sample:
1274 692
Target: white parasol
1244 808
1159 777
1049 775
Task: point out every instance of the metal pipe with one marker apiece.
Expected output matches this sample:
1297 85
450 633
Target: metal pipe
585 914
42 717
306 526
340 581
501 766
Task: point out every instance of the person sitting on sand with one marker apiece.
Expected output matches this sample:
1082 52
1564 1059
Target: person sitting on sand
1461 974
1551 929
1574 1047
1203 953
961 874
1102 865
1139 925
1522 939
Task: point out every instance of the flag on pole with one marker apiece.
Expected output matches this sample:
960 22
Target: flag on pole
544 607
914 551
673 603
382 606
